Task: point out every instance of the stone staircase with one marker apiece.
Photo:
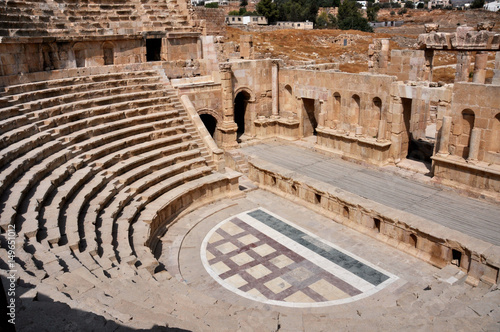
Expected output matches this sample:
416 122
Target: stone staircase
90 167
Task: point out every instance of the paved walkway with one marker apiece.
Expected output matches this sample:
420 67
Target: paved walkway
469 216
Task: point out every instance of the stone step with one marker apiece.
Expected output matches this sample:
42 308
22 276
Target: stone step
88 96
58 91
113 210
36 85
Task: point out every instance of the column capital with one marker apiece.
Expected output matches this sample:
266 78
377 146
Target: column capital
276 62
225 67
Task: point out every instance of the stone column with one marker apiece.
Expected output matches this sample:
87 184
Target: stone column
321 115
228 128
381 130
475 140
429 64
463 63
275 88
496 71
480 67
444 137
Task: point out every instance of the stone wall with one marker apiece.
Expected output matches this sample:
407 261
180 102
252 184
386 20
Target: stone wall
211 20
344 109
182 46
206 98
254 79
469 151
408 65
33 57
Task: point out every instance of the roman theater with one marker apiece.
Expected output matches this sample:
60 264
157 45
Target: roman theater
156 175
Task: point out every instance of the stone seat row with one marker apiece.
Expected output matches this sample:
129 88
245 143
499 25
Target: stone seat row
34 19
53 153
41 120
34 147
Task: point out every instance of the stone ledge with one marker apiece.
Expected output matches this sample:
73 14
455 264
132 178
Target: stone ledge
457 161
359 139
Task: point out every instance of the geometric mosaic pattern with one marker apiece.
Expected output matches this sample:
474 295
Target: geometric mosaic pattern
266 258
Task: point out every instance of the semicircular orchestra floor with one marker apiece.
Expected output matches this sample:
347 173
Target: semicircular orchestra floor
262 250
264 257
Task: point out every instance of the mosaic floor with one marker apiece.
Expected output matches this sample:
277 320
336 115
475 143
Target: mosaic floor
266 258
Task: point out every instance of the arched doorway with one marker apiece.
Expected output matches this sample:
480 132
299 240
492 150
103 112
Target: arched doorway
210 123
240 108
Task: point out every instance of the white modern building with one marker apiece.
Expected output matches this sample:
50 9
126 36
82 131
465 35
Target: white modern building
492 6
246 20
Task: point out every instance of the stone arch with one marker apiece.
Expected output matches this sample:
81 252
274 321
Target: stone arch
494 145
216 115
248 91
108 50
467 124
80 52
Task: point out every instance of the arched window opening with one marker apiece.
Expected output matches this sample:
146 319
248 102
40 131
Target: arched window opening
467 124
355 108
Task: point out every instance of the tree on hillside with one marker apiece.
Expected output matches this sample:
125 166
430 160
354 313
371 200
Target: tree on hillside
349 17
268 9
372 12
477 4
243 3
325 20
297 10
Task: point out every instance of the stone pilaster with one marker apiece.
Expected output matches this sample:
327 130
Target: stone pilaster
321 115
228 128
275 88
381 130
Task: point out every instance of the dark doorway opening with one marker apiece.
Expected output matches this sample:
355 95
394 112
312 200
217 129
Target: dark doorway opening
108 56
417 148
240 108
153 49
310 122
456 257
210 123
406 123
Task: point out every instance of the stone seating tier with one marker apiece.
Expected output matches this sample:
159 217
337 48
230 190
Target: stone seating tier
76 18
81 155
